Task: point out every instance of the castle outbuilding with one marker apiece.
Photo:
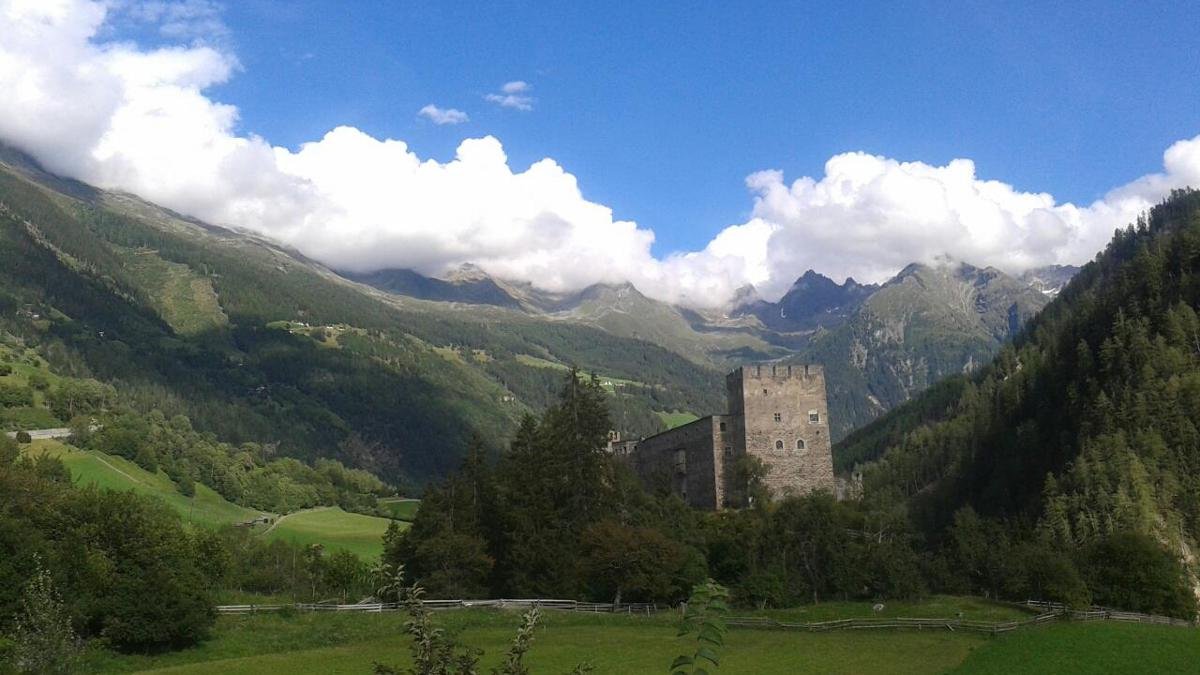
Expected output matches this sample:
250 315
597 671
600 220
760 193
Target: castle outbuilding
777 413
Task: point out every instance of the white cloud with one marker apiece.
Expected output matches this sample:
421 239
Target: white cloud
124 117
193 20
440 116
514 95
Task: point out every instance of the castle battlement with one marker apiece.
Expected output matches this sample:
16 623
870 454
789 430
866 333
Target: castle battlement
761 371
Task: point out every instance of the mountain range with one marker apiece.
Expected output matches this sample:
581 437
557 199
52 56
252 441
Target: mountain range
397 372
880 343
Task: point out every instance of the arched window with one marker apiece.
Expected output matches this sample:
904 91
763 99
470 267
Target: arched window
778 445
800 444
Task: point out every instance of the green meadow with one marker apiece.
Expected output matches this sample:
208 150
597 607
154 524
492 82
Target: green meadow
331 527
87 467
676 418
334 528
401 508
618 644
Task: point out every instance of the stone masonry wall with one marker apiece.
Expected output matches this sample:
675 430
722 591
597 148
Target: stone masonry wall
777 405
689 460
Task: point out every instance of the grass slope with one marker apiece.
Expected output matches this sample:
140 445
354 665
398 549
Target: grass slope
25 364
401 508
335 529
207 508
676 418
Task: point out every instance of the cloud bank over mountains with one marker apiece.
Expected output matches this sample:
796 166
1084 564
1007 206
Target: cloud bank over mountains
126 117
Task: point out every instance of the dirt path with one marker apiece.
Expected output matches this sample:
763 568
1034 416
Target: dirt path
109 464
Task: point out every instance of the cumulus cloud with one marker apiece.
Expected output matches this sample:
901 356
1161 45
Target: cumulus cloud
514 95
138 119
440 116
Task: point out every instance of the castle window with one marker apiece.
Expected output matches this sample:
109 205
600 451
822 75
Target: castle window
778 445
722 426
778 417
800 444
814 417
764 392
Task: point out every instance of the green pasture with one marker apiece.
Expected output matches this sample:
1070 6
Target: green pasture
87 467
675 418
351 643
326 643
1093 647
401 508
329 526
334 528
37 416
934 607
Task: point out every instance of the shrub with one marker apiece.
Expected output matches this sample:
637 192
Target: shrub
24 438
12 396
1131 571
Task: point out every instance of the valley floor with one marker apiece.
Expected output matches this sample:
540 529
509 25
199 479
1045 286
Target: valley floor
323 643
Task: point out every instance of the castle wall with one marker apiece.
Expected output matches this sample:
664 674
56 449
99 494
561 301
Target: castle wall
690 460
780 405
776 413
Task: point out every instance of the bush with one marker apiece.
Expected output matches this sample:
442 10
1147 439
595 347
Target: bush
9 450
12 396
5 369
24 438
1132 572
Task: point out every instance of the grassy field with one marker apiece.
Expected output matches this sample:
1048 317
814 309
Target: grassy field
346 643
612 644
207 508
676 418
935 607
330 527
401 508
335 529
1098 647
22 362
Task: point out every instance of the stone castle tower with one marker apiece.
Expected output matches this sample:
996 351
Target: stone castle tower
776 413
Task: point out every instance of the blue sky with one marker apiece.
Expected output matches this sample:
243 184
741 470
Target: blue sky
662 109
690 149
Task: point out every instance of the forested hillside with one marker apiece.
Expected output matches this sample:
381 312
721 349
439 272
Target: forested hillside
254 343
1086 428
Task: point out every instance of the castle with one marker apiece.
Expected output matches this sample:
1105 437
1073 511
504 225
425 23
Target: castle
776 413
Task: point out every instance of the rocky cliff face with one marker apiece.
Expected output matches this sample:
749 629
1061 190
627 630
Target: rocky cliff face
814 301
922 325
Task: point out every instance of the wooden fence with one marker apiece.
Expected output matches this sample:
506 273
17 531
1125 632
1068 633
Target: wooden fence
1047 612
882 623
1106 614
504 603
